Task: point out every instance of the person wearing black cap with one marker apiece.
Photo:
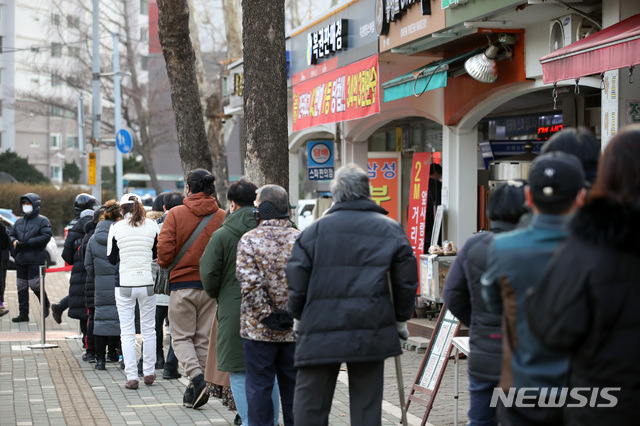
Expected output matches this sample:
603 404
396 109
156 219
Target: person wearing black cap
516 261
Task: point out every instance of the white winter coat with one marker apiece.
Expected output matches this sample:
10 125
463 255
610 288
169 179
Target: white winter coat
135 244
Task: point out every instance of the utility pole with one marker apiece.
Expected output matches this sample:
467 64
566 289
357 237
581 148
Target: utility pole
118 112
96 190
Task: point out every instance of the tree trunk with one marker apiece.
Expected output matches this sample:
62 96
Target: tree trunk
173 31
232 28
265 93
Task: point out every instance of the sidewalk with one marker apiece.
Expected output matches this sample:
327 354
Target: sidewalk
54 386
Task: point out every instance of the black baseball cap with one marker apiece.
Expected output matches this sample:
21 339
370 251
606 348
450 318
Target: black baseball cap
556 177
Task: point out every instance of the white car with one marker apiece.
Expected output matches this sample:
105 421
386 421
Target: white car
51 255
305 213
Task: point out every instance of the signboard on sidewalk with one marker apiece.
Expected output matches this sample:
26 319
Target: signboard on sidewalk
417 216
320 158
384 174
347 93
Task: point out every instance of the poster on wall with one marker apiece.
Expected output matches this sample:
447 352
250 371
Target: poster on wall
417 216
384 174
344 94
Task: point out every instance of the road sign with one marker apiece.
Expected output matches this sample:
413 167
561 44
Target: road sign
92 168
124 141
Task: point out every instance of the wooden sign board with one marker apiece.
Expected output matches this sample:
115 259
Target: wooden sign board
434 362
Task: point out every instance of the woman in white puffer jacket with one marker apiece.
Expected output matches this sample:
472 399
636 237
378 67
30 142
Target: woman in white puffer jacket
131 246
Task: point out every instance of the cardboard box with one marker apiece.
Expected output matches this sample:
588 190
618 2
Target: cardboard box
433 272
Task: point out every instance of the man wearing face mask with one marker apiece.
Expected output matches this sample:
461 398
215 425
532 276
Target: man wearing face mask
29 238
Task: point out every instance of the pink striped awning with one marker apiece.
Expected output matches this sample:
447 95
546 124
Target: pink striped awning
614 47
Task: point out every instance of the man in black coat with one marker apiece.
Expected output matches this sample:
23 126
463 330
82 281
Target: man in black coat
338 277
29 237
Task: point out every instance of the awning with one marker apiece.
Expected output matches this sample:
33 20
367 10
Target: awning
433 75
614 47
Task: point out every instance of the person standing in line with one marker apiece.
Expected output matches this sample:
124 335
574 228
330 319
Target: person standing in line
89 286
191 311
82 202
5 243
265 326
587 301
218 272
516 262
131 246
106 328
29 237
339 276
462 296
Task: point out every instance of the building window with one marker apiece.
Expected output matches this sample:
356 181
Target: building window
0 107
144 63
1 69
0 44
72 142
144 34
55 172
74 52
34 144
55 19
73 21
144 7
56 50
56 80
56 140
0 132
56 111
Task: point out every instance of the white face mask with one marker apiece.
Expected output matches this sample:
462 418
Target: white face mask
27 209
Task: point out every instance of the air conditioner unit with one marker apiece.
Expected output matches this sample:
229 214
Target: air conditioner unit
568 29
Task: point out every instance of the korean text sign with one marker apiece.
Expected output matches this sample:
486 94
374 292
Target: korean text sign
384 174
320 155
344 94
417 216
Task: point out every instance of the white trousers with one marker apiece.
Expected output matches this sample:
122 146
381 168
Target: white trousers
126 298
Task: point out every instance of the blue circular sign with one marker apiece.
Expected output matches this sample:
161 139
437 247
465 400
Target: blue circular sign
124 141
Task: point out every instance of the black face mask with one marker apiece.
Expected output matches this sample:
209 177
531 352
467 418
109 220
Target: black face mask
266 210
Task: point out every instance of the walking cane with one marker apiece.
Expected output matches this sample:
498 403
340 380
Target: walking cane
398 365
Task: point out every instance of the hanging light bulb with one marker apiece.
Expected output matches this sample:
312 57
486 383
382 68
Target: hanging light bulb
483 67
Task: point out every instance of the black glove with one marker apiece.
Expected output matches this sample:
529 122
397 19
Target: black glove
279 321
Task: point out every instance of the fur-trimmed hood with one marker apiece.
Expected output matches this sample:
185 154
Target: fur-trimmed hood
604 221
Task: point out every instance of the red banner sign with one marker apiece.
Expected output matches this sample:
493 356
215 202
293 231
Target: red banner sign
384 174
417 219
345 94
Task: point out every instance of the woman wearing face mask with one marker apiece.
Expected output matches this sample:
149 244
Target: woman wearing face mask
131 246
29 238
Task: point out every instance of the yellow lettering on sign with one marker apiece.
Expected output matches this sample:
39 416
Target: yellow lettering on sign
92 168
380 195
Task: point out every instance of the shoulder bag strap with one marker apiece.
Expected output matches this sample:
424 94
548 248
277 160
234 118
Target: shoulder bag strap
194 235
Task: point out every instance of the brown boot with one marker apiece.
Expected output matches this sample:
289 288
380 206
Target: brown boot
148 380
131 384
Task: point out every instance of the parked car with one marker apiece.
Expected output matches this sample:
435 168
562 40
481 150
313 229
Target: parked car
51 255
305 213
8 213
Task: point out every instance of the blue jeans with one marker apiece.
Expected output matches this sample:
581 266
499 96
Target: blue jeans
240 397
480 413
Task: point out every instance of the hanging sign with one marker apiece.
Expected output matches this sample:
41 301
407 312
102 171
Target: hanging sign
344 94
384 174
320 155
327 41
417 216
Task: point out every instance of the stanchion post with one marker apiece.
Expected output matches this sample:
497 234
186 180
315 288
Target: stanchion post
42 344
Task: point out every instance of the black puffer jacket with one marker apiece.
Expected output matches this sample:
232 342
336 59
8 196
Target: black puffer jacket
33 231
72 254
106 321
337 277
587 303
89 286
462 294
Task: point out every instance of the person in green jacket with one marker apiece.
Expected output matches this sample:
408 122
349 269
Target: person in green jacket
218 275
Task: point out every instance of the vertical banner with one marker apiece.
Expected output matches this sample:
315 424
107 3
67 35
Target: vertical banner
384 173
92 168
417 216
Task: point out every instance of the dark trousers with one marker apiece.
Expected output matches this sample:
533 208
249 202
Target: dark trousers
4 262
28 276
529 416
265 361
101 343
90 341
480 411
316 384
63 304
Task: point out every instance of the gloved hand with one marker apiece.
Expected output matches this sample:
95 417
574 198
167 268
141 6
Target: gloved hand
279 321
296 325
403 331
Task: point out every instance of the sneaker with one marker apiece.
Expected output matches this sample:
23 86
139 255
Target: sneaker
100 365
168 375
187 400
3 311
201 396
113 357
160 364
237 420
20 318
131 384
56 313
148 380
89 357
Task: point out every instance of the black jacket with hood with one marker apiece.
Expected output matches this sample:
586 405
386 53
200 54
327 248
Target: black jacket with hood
89 287
72 254
587 304
33 231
